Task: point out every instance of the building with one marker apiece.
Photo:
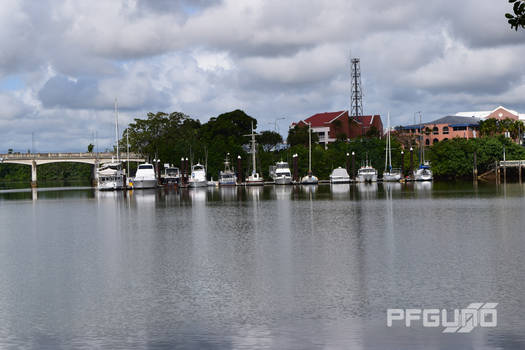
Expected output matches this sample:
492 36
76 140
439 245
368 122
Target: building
443 129
330 126
497 113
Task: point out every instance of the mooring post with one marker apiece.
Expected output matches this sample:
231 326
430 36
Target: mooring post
33 174
411 170
295 166
497 172
475 171
352 176
187 168
348 162
239 170
519 172
402 164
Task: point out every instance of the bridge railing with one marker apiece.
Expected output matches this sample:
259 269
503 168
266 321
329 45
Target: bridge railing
81 155
512 163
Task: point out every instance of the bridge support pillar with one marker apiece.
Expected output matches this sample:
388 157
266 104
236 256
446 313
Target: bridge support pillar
33 174
95 174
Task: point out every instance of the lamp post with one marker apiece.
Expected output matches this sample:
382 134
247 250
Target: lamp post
239 170
295 171
348 162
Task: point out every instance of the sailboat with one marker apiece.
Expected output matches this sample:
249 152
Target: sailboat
254 179
309 179
110 176
390 174
423 173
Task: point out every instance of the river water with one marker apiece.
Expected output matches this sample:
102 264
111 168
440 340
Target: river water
259 268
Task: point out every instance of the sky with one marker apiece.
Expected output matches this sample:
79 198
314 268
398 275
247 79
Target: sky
63 62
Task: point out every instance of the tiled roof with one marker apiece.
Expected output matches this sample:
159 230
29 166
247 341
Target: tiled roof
322 119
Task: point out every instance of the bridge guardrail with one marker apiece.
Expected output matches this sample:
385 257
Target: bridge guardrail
512 163
82 155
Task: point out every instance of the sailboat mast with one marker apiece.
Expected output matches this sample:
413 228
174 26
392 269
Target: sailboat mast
253 150
116 129
127 147
309 147
421 149
389 145
386 148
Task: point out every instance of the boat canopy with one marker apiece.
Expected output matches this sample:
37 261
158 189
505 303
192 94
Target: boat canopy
339 172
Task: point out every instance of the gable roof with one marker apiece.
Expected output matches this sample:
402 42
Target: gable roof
322 119
449 120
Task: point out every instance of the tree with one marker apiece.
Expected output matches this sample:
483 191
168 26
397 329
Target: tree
269 139
298 135
90 148
517 19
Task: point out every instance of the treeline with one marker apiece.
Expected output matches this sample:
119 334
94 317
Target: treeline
46 172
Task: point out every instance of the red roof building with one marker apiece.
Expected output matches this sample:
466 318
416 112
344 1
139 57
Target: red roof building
331 125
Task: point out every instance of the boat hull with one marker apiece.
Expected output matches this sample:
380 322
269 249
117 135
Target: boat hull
309 180
254 183
391 177
111 185
140 184
197 183
367 178
339 180
283 180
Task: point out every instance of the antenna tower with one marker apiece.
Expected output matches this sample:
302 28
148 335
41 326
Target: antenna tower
357 95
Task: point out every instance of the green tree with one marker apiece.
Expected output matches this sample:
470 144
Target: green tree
517 19
90 147
269 139
298 135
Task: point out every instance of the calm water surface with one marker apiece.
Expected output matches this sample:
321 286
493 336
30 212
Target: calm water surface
259 268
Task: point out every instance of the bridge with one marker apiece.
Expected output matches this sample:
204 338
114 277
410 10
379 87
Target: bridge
35 159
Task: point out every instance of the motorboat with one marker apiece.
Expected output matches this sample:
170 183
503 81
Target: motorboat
227 177
281 173
339 176
110 176
171 175
145 177
423 173
366 173
198 176
309 179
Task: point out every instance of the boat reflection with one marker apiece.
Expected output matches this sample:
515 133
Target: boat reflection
254 192
340 190
367 190
282 192
228 193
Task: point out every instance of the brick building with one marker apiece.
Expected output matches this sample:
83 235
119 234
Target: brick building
331 125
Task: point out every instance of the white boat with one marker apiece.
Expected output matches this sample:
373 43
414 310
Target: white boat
424 173
198 176
254 179
145 177
366 173
171 175
281 173
390 174
339 176
110 176
227 176
309 179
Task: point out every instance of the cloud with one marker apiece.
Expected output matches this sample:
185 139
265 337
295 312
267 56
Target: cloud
271 58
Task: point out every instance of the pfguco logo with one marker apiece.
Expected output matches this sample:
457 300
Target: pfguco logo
454 321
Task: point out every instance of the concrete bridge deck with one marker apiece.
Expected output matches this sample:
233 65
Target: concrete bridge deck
35 159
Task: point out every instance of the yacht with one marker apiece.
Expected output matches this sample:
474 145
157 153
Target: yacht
309 179
390 174
423 173
366 173
110 177
144 177
254 179
198 176
171 175
339 176
281 173
227 176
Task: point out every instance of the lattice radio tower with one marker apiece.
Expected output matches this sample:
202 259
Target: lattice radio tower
357 95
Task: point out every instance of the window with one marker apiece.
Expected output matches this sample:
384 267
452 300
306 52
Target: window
427 142
445 130
445 139
435 141
459 128
435 130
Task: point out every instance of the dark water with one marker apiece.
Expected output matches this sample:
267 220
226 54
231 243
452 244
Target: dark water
259 268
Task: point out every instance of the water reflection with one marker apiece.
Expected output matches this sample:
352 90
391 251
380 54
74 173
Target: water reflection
340 190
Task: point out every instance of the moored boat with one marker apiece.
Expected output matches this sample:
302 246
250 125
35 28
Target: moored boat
198 176
110 176
171 175
145 177
339 176
227 177
254 179
281 173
